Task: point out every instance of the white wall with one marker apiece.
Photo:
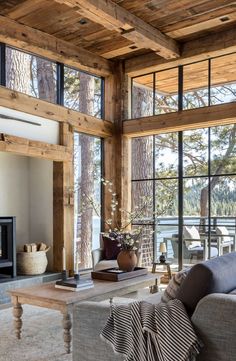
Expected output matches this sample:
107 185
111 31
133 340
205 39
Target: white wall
26 191
31 127
41 203
14 193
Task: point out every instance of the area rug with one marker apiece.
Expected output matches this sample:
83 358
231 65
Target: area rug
42 336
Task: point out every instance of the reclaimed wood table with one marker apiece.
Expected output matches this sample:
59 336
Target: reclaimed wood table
46 295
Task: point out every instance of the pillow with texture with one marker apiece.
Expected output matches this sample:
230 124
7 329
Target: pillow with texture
111 248
174 285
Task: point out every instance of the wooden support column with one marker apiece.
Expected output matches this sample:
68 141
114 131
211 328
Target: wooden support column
117 148
63 204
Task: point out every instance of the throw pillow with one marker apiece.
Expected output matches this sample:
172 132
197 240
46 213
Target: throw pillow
111 248
191 233
174 285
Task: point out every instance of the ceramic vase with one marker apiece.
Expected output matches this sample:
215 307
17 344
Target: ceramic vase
127 260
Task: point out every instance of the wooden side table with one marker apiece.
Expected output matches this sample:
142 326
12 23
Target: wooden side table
166 263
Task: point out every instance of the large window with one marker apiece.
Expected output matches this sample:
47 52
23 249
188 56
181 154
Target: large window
31 75
191 176
190 86
87 180
83 92
50 81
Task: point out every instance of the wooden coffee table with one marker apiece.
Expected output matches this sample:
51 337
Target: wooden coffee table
46 295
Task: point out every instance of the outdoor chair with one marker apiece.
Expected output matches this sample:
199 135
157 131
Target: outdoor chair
195 245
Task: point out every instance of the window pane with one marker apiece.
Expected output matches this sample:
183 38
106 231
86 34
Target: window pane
195 152
142 158
87 178
31 75
166 91
223 196
195 198
223 149
166 155
142 96
223 79
82 92
166 198
142 199
195 86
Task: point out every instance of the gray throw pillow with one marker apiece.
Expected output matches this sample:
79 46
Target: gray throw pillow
173 286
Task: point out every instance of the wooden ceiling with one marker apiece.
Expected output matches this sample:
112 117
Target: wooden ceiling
80 22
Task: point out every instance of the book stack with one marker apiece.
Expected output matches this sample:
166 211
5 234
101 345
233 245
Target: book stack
71 284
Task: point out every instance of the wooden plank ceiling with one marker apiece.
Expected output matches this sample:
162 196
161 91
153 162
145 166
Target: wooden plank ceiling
80 22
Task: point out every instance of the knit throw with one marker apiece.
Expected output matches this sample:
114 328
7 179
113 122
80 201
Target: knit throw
141 331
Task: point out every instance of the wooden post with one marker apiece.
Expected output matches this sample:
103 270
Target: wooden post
63 204
117 150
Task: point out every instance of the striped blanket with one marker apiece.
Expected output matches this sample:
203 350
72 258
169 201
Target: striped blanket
141 331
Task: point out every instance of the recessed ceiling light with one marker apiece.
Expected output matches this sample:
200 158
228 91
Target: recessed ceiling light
225 18
83 21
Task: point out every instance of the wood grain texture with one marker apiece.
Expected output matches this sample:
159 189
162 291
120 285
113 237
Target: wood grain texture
116 18
33 148
46 295
43 44
187 119
63 204
203 48
81 122
78 24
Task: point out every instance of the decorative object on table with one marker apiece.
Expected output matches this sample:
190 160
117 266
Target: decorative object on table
127 260
155 288
167 264
33 260
73 284
64 274
115 274
163 250
119 226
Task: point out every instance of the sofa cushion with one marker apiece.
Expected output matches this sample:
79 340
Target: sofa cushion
217 275
173 286
111 248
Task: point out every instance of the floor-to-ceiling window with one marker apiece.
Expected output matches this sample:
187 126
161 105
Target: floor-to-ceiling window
191 176
87 207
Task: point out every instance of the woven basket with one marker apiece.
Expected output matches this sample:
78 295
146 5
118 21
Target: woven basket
31 263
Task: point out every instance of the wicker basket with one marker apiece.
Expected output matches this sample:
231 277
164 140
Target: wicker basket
31 263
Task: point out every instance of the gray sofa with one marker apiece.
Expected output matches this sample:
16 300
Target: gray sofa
209 295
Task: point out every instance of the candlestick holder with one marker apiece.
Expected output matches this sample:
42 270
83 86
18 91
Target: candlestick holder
76 277
64 275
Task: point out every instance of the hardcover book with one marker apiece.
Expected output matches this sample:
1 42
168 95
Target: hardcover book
72 285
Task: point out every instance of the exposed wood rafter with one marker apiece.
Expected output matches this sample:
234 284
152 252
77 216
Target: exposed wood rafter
116 18
187 119
220 43
46 45
81 122
33 148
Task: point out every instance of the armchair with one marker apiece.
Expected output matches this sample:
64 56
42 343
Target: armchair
99 261
195 245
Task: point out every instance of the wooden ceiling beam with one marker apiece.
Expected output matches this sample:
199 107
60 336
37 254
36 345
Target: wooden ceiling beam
80 122
33 148
180 121
38 42
116 18
217 44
